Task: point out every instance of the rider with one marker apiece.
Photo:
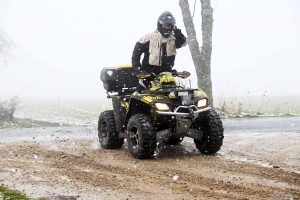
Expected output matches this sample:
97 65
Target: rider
159 48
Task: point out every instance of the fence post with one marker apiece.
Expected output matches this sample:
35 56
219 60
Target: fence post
59 110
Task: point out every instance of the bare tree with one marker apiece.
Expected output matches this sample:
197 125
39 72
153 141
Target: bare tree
6 46
201 58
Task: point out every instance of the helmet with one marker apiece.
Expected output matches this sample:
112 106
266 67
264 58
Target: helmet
166 18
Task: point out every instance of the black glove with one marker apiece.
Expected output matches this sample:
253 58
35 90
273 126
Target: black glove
137 70
174 72
177 33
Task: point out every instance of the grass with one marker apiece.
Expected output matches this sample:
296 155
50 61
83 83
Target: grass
8 194
247 106
64 111
27 123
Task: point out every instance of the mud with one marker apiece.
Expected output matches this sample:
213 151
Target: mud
68 163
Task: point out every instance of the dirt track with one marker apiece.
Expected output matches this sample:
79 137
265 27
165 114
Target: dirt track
67 163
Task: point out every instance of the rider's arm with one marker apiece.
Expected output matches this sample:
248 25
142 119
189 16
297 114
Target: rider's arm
180 40
138 50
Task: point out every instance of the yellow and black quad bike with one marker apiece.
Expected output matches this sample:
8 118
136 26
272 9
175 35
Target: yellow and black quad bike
164 112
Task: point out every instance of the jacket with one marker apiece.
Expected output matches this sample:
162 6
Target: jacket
159 52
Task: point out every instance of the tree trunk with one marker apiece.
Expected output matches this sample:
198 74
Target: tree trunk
6 46
201 59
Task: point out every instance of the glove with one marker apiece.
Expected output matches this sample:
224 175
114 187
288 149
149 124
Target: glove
136 71
174 72
177 33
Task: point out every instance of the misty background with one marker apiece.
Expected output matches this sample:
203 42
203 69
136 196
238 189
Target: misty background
62 45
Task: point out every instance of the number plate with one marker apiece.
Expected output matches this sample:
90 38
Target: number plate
183 93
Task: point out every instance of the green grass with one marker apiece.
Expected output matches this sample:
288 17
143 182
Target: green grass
7 194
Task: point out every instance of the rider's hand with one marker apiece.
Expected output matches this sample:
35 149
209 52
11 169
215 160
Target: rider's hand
177 33
174 72
138 71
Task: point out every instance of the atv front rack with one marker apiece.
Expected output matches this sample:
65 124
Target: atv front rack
194 111
185 120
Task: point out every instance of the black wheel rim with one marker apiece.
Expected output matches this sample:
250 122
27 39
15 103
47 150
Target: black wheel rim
104 132
134 137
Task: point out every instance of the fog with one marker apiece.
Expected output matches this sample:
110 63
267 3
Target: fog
62 45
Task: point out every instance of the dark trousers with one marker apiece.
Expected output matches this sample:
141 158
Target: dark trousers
146 82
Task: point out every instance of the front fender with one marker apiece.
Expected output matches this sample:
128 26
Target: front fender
137 106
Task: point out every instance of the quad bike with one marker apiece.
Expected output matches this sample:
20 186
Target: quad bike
164 112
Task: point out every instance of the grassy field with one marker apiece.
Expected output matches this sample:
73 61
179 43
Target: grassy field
258 105
86 111
64 111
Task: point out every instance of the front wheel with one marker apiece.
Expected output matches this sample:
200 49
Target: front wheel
141 136
107 132
212 128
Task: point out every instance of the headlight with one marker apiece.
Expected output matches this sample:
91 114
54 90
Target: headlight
202 103
162 106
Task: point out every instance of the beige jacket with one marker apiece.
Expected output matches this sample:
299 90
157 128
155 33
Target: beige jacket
155 46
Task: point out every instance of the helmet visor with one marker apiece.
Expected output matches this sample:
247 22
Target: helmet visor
166 26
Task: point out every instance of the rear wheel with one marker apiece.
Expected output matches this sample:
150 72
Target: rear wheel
212 128
107 132
141 136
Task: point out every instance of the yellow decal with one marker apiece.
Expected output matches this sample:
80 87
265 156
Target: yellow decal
149 99
172 95
158 98
125 105
136 94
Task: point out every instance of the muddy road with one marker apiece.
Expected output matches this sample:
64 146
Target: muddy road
68 163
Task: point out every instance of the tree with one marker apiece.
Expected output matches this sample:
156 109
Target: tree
7 109
201 58
6 46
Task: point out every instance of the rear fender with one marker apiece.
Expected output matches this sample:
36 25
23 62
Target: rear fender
119 113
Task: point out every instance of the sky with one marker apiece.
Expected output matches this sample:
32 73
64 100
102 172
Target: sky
62 45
